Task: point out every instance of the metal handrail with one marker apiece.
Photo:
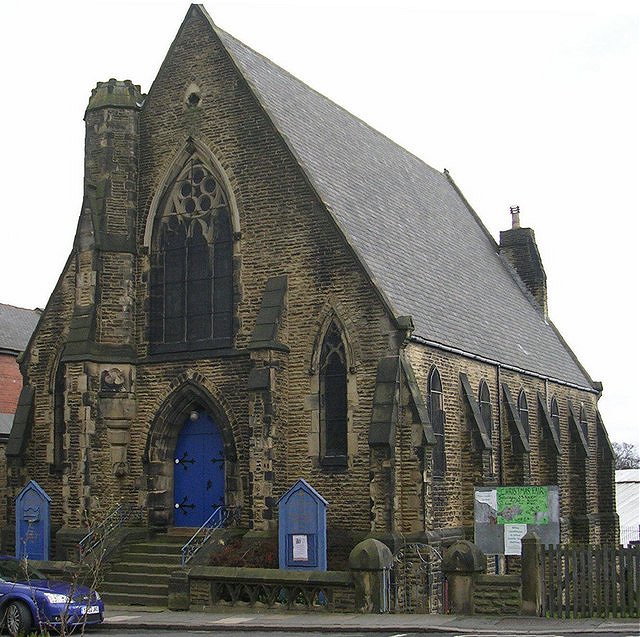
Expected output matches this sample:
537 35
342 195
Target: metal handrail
99 533
219 518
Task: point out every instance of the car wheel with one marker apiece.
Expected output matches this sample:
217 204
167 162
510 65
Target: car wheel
17 619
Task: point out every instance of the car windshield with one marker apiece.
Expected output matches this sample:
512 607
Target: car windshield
19 570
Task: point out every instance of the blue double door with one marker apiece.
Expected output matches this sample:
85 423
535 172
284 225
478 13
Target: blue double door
198 473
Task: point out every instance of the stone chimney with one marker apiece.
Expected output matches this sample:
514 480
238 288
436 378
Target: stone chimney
519 247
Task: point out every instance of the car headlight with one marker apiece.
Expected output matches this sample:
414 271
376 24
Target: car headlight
57 598
97 595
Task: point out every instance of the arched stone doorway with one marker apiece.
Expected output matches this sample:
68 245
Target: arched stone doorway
190 403
198 471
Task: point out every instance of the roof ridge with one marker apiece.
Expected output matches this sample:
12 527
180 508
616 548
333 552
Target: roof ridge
19 307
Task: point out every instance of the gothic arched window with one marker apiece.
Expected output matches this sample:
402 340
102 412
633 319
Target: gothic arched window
436 415
191 287
584 424
555 416
523 412
333 399
484 401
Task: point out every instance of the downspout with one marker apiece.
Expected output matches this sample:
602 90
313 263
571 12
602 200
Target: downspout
500 445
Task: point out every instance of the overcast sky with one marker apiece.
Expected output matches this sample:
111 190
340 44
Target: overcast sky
528 103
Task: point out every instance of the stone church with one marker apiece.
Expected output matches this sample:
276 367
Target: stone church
263 288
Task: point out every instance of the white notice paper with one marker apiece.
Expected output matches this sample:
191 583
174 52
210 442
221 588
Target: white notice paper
488 497
513 533
300 548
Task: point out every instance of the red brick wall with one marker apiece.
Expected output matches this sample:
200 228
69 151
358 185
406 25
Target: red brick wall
10 383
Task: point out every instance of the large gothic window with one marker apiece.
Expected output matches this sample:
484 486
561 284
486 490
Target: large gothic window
436 414
191 288
333 399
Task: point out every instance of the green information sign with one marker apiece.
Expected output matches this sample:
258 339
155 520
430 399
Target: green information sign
523 505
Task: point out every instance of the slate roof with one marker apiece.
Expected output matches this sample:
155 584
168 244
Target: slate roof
425 248
16 326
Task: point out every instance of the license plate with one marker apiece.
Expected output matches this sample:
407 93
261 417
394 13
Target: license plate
93 610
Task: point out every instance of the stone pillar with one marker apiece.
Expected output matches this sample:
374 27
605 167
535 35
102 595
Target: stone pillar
460 564
370 565
531 576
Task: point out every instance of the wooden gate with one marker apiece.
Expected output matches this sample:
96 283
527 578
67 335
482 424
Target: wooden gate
417 584
590 581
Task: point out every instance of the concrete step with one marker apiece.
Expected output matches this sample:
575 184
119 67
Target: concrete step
139 599
144 568
156 547
149 558
133 589
127 577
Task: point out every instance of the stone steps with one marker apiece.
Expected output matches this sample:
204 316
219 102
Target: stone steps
139 576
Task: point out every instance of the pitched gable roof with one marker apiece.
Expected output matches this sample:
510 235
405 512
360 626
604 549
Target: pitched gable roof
425 248
16 326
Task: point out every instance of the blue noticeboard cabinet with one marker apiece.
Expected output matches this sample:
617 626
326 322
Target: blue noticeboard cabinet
32 523
302 529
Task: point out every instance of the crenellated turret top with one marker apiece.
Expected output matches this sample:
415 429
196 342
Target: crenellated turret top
115 93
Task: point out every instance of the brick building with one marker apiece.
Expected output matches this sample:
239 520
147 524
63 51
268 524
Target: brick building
263 288
16 326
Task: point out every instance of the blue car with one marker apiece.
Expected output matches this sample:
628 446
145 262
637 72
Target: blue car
30 601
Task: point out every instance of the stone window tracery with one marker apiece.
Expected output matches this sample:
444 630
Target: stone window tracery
191 266
333 399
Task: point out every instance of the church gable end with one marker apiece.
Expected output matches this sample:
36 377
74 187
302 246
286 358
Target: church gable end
235 302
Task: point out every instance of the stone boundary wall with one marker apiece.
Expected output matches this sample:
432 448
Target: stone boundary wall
497 594
263 588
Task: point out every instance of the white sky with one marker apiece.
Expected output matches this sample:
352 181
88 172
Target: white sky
532 103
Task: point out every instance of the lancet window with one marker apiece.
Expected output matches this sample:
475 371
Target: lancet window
333 398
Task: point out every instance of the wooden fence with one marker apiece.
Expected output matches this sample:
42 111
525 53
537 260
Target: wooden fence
590 581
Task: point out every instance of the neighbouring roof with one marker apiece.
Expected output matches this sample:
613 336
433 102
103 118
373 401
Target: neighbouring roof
628 497
16 326
425 248
6 420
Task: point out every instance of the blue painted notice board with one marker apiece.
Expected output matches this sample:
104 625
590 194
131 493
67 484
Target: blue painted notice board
302 529
32 522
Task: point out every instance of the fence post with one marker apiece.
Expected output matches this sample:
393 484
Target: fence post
369 563
461 562
531 575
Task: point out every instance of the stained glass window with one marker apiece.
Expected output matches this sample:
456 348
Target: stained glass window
191 266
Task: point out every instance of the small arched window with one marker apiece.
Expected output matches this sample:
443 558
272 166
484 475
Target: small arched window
584 424
523 412
436 415
484 401
555 416
333 399
191 291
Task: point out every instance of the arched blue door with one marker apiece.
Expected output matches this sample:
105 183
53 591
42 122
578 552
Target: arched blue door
198 474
